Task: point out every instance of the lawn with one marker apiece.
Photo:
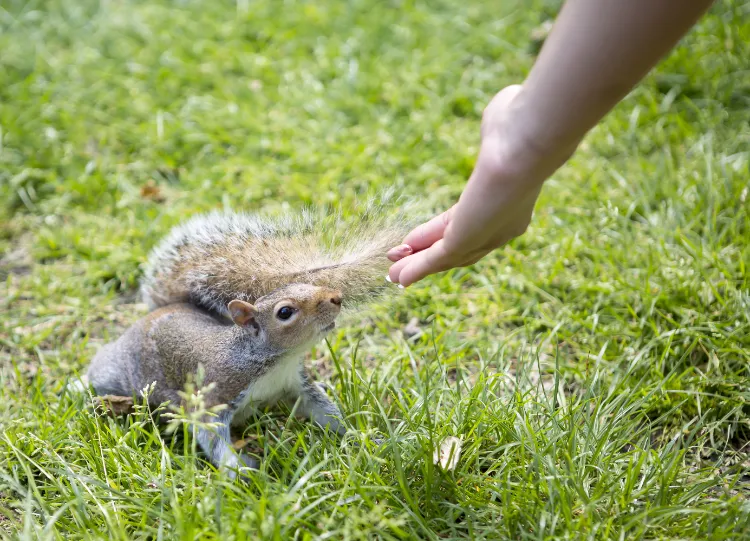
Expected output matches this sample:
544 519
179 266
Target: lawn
597 369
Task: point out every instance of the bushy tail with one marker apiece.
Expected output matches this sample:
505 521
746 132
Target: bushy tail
214 258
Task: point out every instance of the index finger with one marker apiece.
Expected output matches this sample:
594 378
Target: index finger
415 267
430 232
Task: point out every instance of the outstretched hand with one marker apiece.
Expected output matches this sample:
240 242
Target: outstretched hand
496 205
596 52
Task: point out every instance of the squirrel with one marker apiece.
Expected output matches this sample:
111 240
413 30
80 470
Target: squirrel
253 360
245 297
215 258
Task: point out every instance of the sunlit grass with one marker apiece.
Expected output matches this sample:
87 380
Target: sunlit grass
596 369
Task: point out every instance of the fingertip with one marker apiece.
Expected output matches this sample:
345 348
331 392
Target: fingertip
399 252
404 280
423 264
409 275
392 277
394 273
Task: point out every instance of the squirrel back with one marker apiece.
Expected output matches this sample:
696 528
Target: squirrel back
214 258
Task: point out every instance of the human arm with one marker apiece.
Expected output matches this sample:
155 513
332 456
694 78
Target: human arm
597 51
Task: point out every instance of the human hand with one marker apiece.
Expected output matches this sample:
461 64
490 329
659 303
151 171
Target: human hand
497 203
597 51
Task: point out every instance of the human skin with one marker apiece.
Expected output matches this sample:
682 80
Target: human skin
597 51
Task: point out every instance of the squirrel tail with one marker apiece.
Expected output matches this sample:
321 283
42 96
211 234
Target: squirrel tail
214 258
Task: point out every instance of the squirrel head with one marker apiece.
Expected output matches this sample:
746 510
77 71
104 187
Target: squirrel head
289 317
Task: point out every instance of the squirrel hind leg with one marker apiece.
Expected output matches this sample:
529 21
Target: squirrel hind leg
216 444
78 385
106 376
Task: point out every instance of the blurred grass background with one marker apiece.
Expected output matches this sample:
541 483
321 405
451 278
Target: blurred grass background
597 368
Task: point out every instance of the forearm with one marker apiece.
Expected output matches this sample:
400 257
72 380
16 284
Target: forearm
597 52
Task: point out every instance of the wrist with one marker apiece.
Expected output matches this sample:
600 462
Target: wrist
535 137
512 157
516 157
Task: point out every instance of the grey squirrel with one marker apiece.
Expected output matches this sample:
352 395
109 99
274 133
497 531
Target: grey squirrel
252 360
245 297
215 258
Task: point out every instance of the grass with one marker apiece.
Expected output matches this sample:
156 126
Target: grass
597 369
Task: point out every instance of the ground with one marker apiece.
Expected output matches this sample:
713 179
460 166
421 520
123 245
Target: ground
597 369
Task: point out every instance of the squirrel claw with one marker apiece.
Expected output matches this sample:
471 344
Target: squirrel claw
243 471
250 462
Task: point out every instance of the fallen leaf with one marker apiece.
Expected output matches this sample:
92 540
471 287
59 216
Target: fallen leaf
448 453
239 444
151 191
114 405
412 328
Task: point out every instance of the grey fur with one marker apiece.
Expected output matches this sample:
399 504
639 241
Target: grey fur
214 258
250 366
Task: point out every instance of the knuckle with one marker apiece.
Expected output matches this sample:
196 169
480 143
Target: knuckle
446 217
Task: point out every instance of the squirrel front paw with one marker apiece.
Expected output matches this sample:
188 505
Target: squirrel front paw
248 465
250 462
378 442
375 441
240 466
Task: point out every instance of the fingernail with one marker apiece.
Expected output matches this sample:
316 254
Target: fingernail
401 287
388 279
400 251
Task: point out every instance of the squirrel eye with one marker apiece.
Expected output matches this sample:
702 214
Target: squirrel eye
285 312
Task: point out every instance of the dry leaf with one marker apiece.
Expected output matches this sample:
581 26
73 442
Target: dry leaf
448 453
115 405
239 444
412 328
151 191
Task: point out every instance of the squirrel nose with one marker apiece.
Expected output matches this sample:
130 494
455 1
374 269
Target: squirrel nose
336 299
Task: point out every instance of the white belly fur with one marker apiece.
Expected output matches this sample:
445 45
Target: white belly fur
283 379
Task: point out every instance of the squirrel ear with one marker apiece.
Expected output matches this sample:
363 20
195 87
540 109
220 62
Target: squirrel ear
242 313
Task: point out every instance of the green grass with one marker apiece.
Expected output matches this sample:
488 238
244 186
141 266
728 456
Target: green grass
597 369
